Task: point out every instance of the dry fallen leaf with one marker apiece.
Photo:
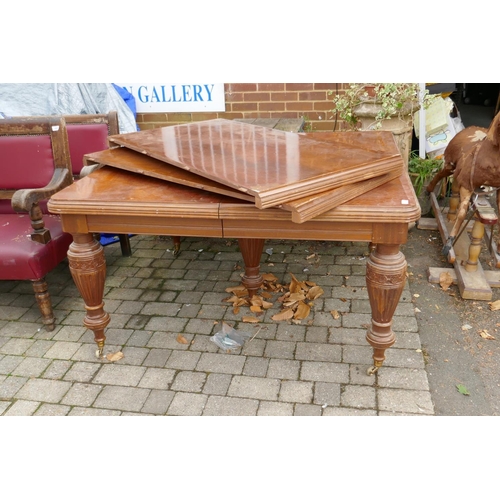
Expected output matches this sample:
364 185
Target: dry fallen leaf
494 306
445 280
256 301
486 335
249 319
315 292
335 314
283 315
294 297
181 339
235 288
115 356
302 311
269 277
295 286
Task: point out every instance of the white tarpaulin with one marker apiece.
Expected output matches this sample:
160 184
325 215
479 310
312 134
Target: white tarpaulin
33 99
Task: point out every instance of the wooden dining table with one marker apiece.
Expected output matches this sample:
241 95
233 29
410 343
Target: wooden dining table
114 200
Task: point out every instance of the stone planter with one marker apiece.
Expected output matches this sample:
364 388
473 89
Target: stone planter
423 197
401 127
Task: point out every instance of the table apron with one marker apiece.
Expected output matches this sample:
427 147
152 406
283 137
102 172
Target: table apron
376 232
142 225
314 230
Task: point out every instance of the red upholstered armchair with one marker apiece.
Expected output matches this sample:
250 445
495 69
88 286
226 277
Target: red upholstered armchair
88 134
34 164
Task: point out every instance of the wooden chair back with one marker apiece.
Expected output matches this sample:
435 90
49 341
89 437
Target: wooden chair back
88 134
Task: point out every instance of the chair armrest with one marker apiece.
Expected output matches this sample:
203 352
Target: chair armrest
24 199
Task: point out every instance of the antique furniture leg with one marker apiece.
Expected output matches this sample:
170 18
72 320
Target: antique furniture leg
251 251
125 245
177 244
477 235
385 279
42 297
454 201
88 268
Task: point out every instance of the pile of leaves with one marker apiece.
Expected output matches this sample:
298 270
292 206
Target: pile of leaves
296 299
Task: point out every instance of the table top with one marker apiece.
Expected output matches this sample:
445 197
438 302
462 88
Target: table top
271 165
116 192
132 161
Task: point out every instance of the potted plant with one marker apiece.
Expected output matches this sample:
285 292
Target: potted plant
387 106
421 171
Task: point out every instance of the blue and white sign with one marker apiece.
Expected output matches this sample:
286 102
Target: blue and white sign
177 97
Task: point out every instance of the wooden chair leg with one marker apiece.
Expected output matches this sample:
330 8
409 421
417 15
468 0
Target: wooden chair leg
125 245
177 244
42 297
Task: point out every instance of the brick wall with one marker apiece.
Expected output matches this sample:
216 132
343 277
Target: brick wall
263 100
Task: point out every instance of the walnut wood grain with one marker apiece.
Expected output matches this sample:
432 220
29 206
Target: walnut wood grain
251 251
88 269
272 165
385 279
133 161
306 208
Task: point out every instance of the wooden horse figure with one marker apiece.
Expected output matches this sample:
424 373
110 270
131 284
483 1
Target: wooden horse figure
473 158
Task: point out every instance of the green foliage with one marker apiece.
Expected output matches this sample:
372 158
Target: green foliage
395 99
422 170
463 390
307 124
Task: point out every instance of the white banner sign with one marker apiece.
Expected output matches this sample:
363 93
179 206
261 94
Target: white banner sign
177 97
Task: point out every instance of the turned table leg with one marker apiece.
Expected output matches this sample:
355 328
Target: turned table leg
42 297
251 251
88 268
385 279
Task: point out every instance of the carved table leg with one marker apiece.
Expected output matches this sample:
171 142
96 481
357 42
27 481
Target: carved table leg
385 279
251 251
88 268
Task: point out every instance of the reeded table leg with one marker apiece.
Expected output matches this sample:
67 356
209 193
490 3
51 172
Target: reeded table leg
251 251
385 279
88 268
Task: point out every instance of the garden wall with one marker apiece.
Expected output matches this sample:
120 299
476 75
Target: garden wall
311 101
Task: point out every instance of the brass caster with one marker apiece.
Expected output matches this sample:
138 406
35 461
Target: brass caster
98 353
372 370
177 249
